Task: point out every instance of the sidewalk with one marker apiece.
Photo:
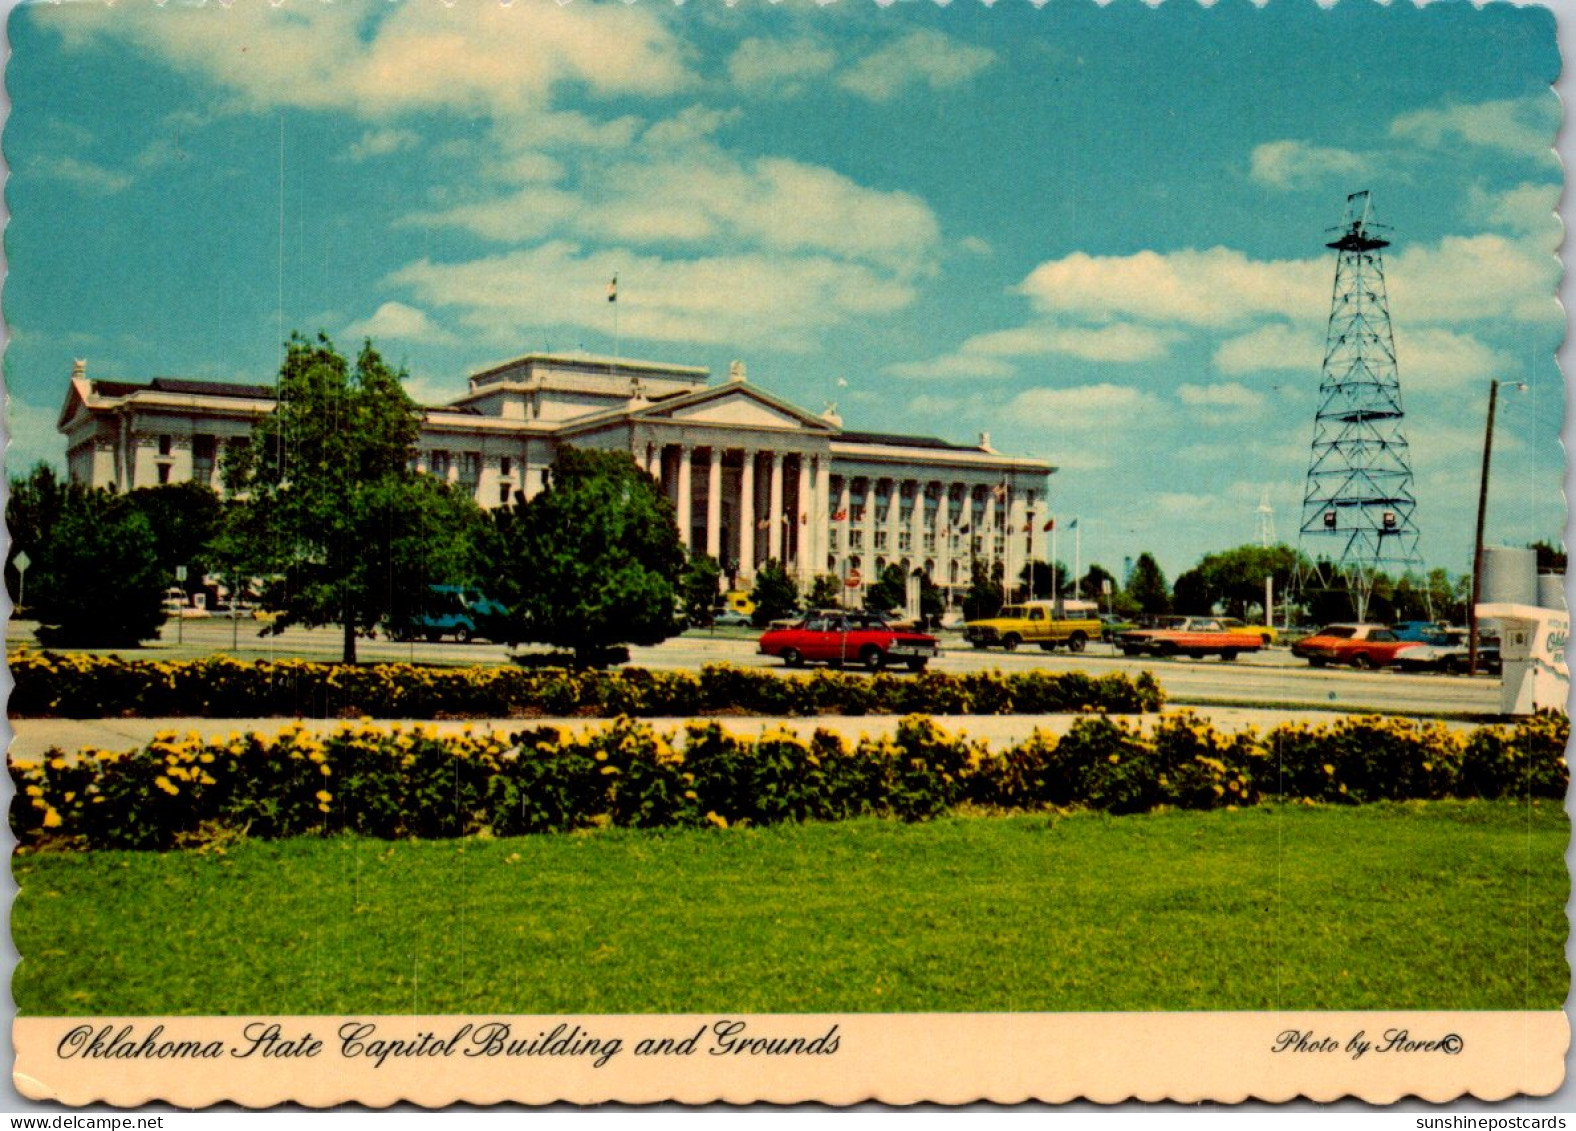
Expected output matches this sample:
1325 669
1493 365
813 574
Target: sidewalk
33 737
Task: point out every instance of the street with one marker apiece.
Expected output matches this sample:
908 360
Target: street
1272 677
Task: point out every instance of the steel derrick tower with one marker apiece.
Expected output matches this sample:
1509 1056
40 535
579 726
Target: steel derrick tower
1358 509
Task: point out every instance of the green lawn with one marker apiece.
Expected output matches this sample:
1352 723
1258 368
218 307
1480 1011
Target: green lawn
1442 905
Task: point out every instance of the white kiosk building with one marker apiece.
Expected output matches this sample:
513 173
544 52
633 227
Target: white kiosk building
752 477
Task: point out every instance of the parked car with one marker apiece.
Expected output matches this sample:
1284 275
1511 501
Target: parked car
1419 631
1033 622
1451 653
1190 636
460 612
837 637
1361 645
1265 631
730 618
1112 626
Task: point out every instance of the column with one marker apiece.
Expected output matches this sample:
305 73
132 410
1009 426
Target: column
867 556
774 509
893 521
686 454
747 516
916 526
845 503
1018 534
654 462
801 521
714 505
818 517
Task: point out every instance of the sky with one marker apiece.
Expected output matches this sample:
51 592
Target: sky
1095 233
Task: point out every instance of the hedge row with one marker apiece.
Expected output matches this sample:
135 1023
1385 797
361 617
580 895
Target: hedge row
84 686
391 783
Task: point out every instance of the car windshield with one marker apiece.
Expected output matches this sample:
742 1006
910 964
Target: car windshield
1339 631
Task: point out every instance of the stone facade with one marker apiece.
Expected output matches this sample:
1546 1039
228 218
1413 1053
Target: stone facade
751 476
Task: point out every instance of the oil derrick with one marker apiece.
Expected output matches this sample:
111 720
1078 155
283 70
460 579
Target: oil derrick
1358 511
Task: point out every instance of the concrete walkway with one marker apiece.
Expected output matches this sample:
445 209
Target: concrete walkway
33 737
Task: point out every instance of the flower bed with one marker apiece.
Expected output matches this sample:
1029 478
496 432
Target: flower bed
84 686
390 782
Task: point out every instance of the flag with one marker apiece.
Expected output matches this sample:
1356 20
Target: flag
804 518
839 516
612 290
1050 524
842 382
1000 491
764 524
1073 525
786 520
963 530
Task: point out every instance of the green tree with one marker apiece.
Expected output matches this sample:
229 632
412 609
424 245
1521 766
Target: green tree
96 578
889 592
32 512
1042 579
983 598
185 519
596 556
1234 579
1190 594
1092 584
1551 558
1148 586
775 595
699 586
826 592
331 508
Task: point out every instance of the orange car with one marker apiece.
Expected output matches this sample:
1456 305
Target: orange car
1361 645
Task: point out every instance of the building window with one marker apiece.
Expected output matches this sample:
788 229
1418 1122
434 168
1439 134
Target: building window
856 513
505 466
1000 545
905 541
856 539
881 540
203 449
470 469
503 494
831 540
930 543
164 445
438 464
164 473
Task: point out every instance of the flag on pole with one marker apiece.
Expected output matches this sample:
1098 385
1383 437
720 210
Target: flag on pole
804 518
839 516
1073 525
1050 524
1000 491
612 290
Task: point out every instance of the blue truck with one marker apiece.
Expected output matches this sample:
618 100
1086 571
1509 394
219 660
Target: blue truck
460 612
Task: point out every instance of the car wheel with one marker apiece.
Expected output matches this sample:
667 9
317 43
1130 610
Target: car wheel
792 658
1011 641
1076 642
1452 666
1132 651
1362 663
1228 655
1317 661
916 666
433 636
872 658
462 635
1166 651
979 645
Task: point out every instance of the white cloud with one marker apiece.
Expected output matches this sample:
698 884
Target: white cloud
380 143
743 300
1273 347
488 58
1231 397
1467 278
949 367
1526 209
85 175
1103 407
1298 164
1523 125
705 196
31 436
780 66
1217 287
1433 357
398 322
694 123
922 57
976 246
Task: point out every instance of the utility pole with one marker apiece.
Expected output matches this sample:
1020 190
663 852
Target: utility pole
1482 513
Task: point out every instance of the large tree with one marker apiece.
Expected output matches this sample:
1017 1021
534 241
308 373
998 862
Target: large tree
775 594
185 519
700 588
331 508
596 556
94 577
1147 586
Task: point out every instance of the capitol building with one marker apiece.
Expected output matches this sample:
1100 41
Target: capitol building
751 476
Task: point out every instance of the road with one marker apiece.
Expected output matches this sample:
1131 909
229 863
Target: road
1272 677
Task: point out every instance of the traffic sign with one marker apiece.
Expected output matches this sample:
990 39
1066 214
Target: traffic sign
854 578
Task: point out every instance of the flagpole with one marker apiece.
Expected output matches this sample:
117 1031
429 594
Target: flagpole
1055 580
1077 560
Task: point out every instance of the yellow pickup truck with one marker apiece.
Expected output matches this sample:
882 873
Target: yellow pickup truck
1033 623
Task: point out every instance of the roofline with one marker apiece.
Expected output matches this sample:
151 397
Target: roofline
632 364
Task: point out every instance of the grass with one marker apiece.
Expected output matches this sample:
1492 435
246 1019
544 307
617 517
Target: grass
1441 905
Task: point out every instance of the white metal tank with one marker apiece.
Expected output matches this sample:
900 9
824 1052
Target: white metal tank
1551 591
1510 576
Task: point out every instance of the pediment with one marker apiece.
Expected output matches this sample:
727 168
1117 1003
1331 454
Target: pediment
738 407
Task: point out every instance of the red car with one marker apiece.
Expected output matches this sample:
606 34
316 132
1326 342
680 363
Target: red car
1361 645
838 637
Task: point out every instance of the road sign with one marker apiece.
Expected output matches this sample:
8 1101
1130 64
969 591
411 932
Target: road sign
21 561
180 573
854 578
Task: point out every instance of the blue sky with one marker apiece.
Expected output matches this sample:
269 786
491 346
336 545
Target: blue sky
1096 233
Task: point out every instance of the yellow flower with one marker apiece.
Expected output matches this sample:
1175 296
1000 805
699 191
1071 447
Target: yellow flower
325 771
720 822
1114 759
166 785
324 795
51 819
